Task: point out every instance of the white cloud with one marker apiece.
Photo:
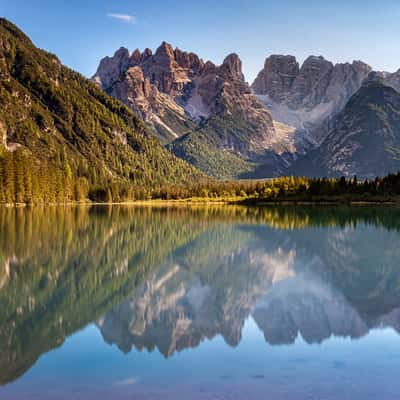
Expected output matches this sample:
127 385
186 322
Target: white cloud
129 381
130 19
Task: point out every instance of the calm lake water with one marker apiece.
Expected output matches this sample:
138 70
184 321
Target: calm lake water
199 303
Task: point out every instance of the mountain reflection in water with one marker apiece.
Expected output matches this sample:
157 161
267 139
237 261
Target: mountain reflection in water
170 278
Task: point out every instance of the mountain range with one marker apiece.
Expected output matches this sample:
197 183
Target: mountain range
144 117
209 116
206 113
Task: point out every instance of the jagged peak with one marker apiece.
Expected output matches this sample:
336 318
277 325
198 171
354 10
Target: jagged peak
277 62
232 58
135 56
310 60
147 53
165 49
121 52
316 58
209 66
361 63
280 57
233 63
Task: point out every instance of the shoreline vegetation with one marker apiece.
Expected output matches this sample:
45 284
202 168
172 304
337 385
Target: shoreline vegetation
283 190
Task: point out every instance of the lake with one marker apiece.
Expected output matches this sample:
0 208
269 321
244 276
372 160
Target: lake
218 302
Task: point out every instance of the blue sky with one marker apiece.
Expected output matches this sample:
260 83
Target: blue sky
82 32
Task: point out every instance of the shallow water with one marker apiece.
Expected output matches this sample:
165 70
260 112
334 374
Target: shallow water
199 303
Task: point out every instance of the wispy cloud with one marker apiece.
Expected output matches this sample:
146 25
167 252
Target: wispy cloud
129 381
129 19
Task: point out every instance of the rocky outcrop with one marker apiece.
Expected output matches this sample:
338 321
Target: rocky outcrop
311 84
199 89
111 68
148 83
307 98
364 139
178 93
277 77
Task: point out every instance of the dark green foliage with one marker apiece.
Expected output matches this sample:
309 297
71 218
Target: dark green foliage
24 179
293 189
61 121
206 147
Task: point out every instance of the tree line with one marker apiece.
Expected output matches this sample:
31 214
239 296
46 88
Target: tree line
26 180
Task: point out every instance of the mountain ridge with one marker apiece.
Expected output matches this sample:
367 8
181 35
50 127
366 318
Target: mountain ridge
364 139
54 120
214 106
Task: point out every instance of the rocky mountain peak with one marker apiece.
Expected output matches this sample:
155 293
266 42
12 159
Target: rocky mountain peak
147 53
363 139
277 77
176 92
307 98
233 65
135 57
209 67
315 60
165 50
110 68
389 79
122 53
311 83
361 65
190 61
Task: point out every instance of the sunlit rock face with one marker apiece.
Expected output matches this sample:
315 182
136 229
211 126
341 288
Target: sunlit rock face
307 97
341 125
208 115
210 107
178 87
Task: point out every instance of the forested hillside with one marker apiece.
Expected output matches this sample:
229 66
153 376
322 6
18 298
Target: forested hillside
62 138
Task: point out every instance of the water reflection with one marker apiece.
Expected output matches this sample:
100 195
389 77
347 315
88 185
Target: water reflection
168 279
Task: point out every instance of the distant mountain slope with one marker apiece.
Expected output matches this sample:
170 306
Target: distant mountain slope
57 120
307 97
205 112
364 139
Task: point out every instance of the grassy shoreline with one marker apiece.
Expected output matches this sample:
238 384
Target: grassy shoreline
243 201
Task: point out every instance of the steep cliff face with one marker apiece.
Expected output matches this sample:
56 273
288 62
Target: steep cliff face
277 77
148 83
307 98
364 139
180 95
